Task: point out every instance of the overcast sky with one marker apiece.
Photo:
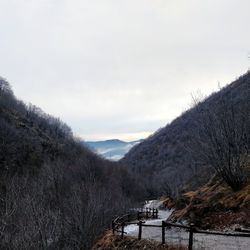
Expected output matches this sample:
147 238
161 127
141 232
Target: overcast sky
121 68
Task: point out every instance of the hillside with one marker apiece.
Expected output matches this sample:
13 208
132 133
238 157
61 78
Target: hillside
171 158
31 137
55 193
111 149
213 206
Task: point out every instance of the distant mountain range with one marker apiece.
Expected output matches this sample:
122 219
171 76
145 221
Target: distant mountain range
111 149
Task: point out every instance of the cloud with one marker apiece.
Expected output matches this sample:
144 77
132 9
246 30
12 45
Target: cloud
116 67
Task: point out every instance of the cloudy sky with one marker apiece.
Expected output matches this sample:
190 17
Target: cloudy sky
121 68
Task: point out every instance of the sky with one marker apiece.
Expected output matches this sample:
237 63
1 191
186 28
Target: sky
121 68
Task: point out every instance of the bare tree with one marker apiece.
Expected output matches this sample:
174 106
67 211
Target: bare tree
222 139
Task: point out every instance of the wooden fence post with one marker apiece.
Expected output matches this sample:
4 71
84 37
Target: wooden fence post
113 226
191 234
156 213
140 230
163 232
123 225
138 215
146 213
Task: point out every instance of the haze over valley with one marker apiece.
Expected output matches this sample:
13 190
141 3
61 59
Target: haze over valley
111 149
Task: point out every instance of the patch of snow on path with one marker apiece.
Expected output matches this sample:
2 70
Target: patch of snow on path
163 214
180 236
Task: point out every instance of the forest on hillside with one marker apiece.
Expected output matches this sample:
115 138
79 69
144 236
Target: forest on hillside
213 136
54 192
57 194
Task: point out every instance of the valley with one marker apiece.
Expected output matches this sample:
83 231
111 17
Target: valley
111 149
69 191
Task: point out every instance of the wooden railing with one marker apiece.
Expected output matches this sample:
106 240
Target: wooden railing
118 225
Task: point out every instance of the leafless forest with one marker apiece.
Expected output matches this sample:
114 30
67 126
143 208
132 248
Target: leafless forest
211 137
54 193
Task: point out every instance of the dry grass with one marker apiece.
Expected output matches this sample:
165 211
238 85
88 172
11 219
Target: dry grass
168 202
214 205
110 242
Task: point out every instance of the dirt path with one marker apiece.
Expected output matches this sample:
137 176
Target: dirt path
177 236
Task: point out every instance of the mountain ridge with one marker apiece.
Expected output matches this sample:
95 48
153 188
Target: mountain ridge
164 155
52 184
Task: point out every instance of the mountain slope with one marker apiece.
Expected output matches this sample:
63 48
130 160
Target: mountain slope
111 149
166 156
53 190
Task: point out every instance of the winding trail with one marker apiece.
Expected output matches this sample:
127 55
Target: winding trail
177 236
